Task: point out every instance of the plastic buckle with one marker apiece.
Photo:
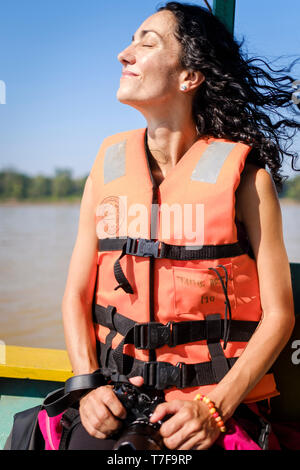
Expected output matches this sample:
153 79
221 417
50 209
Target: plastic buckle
152 335
147 248
142 247
183 374
131 246
162 375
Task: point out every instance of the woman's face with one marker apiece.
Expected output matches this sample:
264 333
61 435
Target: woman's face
151 63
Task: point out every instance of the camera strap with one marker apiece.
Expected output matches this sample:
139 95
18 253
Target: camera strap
75 388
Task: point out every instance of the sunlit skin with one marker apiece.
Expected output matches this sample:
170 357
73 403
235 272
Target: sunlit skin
151 82
151 72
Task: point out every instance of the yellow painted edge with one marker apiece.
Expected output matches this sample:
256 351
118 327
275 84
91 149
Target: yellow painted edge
34 363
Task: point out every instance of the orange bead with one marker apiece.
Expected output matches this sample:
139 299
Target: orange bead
212 411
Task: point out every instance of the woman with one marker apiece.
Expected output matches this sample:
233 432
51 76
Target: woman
186 75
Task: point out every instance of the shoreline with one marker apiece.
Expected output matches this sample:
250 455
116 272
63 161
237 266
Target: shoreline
71 202
62 202
289 201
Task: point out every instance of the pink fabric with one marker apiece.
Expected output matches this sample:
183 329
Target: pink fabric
51 429
282 436
236 438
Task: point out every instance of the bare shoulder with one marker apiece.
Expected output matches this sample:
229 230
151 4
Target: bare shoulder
259 209
256 189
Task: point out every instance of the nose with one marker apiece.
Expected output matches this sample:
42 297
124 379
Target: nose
127 56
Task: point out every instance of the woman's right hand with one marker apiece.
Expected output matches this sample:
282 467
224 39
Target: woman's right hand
101 412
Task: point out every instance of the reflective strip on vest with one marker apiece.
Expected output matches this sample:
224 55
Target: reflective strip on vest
211 162
114 162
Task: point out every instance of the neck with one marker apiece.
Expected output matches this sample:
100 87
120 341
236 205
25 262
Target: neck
168 142
171 129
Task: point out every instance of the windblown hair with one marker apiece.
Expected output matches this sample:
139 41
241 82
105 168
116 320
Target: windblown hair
238 100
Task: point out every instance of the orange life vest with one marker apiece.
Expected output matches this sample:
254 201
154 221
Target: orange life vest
177 292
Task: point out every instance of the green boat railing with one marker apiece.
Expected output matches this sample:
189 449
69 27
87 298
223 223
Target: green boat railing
225 11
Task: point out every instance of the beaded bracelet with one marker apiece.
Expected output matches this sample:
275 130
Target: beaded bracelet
212 410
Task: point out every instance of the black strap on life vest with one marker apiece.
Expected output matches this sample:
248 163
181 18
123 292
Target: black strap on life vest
153 335
110 312
150 248
219 362
163 375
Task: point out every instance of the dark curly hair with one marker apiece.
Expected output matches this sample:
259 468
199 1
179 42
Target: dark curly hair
238 100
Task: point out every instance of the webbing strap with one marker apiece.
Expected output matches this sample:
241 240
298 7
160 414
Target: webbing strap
150 248
120 276
163 375
69 420
109 323
146 248
75 387
152 335
218 359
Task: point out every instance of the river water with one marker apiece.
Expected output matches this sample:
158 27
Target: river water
36 243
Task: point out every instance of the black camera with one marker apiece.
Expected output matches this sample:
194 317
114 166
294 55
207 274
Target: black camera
138 433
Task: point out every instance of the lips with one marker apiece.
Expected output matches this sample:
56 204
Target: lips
128 74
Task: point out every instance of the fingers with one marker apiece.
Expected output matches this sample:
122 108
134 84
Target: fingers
189 435
185 437
101 412
165 409
190 427
180 427
137 381
198 441
99 424
110 399
202 439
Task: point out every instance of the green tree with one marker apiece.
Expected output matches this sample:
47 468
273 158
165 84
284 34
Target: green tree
13 185
62 183
79 186
40 187
293 188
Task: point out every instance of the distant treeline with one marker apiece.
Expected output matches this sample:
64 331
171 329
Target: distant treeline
291 188
20 187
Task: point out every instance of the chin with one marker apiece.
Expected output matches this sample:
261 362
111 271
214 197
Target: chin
122 95
126 98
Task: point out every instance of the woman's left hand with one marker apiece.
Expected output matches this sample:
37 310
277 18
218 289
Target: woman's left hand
190 427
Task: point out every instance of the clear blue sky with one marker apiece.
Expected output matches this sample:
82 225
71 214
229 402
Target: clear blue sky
58 59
